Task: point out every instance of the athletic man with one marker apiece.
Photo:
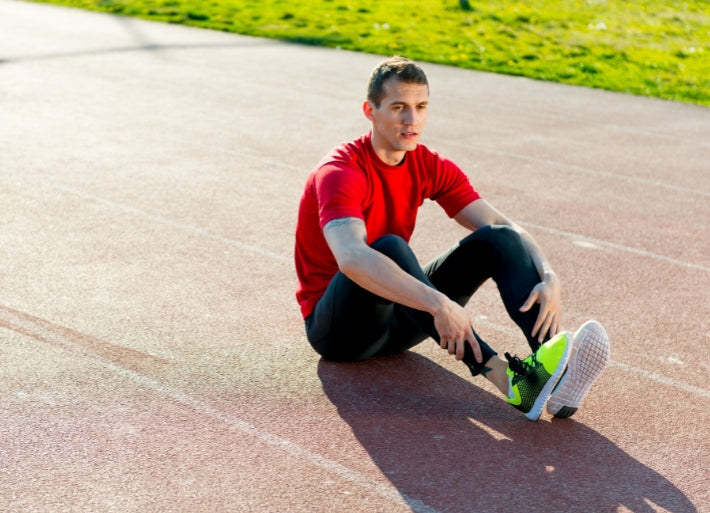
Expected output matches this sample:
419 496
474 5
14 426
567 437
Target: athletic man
362 291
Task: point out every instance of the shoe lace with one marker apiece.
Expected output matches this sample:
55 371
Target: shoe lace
521 367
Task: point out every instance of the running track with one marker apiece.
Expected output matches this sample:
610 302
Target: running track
152 357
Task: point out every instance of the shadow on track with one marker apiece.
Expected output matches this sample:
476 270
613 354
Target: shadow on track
449 446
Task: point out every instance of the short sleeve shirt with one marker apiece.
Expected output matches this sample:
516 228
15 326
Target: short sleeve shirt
352 181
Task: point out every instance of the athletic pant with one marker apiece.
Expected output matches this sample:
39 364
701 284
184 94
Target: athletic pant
350 323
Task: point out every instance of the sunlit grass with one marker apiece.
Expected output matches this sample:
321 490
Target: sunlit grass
653 47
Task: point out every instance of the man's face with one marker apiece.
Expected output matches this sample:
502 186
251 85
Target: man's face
399 120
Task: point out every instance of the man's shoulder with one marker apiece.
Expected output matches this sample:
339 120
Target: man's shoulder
432 160
355 149
347 155
426 152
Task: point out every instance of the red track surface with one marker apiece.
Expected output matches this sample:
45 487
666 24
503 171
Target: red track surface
151 353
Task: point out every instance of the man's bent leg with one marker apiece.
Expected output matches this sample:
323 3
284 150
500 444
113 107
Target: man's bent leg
410 327
495 252
350 323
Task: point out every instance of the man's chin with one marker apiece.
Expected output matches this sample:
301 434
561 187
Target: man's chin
408 145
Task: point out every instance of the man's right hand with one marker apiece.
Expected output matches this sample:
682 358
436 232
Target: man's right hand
453 325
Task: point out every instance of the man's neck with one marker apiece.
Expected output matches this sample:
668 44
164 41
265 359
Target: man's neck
391 158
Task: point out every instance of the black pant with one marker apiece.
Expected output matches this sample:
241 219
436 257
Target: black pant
349 323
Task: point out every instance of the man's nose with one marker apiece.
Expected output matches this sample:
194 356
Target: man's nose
410 117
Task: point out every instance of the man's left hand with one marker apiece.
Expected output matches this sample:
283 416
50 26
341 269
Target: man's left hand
548 293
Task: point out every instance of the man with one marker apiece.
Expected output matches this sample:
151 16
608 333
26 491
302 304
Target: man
362 291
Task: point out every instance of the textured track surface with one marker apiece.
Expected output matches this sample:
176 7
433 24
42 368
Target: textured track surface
152 357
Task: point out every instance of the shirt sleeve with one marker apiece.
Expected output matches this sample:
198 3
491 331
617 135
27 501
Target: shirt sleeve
451 187
340 190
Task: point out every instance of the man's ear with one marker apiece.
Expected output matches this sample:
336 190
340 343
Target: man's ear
368 108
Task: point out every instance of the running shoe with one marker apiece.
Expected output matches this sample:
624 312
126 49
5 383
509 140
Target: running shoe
589 355
531 380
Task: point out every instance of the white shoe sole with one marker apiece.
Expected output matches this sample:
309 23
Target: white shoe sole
590 354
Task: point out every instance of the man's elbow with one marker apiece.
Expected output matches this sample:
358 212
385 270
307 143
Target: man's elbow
348 265
351 263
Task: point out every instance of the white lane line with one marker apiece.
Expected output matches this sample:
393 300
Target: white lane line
620 247
662 379
608 126
283 258
383 490
174 224
575 168
272 162
578 238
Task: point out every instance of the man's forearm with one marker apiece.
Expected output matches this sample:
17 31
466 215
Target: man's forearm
378 274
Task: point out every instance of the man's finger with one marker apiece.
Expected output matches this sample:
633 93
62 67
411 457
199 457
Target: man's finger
545 327
532 299
460 350
473 342
476 349
555 328
539 322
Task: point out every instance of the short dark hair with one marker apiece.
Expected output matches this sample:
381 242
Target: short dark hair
401 68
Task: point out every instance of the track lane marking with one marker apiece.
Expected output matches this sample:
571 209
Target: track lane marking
283 258
575 168
389 492
575 237
174 224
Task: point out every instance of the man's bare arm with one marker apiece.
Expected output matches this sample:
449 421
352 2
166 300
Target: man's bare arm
548 292
373 271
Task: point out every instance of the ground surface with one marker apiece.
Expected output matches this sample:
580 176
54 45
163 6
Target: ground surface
152 357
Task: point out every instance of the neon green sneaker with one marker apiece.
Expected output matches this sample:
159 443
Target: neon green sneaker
530 381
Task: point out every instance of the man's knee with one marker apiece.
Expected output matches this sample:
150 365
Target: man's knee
389 243
504 238
395 247
399 251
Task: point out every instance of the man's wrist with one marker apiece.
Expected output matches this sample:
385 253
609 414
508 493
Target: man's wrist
437 302
549 276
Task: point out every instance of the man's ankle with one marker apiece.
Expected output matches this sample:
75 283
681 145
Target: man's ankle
495 372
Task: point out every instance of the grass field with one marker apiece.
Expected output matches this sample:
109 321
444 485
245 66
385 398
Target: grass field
657 48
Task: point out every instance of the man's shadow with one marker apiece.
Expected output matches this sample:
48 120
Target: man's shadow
447 445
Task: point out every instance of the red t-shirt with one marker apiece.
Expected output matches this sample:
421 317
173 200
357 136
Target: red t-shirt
352 181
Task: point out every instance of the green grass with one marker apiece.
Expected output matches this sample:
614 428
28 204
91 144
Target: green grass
657 48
